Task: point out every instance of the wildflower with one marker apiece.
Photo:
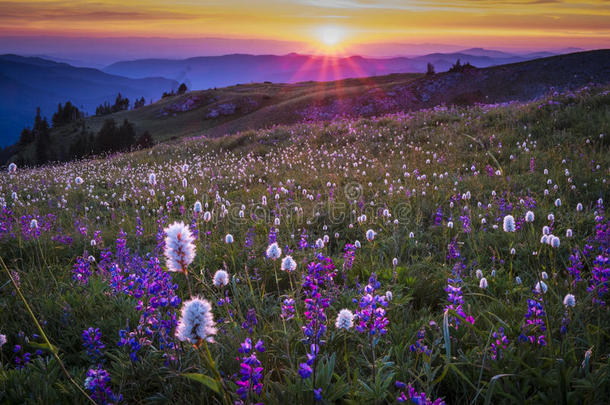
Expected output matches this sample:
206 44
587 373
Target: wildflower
179 247
509 224
319 244
3 337
371 313
251 370
541 287
569 300
345 319
221 278
288 264
450 224
529 216
12 168
228 239
288 309
569 233
197 207
546 230
196 322
97 383
33 224
533 329
273 251
544 275
579 207
483 283
92 340
479 273
152 179
207 216
518 280
499 343
370 235
415 397
78 181
513 251
555 242
357 244
558 203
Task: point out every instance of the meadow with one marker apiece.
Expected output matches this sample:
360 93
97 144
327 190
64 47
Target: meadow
453 255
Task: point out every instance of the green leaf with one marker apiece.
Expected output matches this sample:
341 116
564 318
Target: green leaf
492 384
43 346
205 380
446 335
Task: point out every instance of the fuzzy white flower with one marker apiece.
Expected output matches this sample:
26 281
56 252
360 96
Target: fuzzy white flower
529 216
541 287
357 244
196 322
569 300
78 180
197 207
152 179
2 340
33 224
546 230
288 264
221 278
179 247
479 273
508 224
395 262
319 244
558 202
544 275
518 280
273 251
207 216
483 283
579 207
12 168
370 235
228 239
450 224
345 319
555 242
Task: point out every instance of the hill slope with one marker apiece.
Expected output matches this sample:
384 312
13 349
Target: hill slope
27 83
228 110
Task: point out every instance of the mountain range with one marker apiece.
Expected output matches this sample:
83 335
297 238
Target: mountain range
217 71
28 82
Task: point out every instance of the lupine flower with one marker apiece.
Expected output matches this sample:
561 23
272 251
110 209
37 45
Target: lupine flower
508 224
370 315
287 309
196 322
221 278
415 397
273 251
345 319
97 383
288 264
179 247
92 340
419 345
500 342
250 370
533 329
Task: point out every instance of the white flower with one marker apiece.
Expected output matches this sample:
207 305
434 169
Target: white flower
370 235
196 322
197 207
78 181
228 238
513 251
152 179
568 233
544 275
450 224
529 216
33 224
389 295
273 251
357 244
345 319
509 224
569 301
546 230
518 280
579 207
12 168
207 216
411 235
395 262
555 242
288 264
541 287
179 247
550 217
319 244
479 273
221 278
483 283
558 202
3 337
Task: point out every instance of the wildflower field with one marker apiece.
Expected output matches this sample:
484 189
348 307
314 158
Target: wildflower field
454 255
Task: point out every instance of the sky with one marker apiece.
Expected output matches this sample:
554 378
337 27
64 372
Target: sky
320 26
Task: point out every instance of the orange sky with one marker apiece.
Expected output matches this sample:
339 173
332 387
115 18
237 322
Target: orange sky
488 23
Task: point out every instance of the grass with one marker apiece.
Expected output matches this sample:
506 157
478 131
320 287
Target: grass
326 177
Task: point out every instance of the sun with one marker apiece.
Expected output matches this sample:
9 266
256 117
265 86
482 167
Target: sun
331 36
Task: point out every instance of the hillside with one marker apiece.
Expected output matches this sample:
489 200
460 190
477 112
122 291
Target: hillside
227 110
27 83
458 254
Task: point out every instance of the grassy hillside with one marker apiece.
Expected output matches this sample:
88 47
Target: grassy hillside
262 105
418 223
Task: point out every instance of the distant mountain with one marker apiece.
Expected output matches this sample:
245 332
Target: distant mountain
30 82
217 71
